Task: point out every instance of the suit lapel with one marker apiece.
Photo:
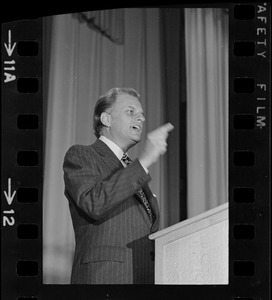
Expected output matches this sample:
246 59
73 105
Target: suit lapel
112 161
108 155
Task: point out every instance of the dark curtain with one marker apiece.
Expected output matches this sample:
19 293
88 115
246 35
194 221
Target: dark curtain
174 86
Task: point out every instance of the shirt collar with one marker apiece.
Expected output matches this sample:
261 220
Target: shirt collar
114 148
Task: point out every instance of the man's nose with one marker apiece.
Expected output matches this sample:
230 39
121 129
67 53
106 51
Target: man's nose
140 117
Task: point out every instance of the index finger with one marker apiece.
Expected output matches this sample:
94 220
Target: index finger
164 129
167 127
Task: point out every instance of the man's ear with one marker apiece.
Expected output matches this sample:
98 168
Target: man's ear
105 119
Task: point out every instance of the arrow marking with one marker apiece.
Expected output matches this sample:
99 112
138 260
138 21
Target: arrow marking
8 47
8 195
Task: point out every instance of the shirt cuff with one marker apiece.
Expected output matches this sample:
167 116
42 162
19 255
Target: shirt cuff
146 170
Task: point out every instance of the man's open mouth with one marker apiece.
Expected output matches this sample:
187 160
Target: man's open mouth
137 127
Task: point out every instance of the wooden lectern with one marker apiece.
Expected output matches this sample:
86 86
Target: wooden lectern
194 251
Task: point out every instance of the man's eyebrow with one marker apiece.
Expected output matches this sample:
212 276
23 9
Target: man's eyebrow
133 107
129 106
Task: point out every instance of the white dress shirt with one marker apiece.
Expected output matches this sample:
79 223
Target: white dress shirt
116 149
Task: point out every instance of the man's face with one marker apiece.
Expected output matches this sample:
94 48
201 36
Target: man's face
126 121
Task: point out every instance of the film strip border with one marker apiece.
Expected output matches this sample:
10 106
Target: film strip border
22 158
249 159
249 150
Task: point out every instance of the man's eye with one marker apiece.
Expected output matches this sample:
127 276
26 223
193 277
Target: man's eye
130 111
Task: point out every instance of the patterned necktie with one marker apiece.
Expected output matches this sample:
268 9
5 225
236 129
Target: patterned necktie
128 161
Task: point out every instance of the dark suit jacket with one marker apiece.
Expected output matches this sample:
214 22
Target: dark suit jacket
111 224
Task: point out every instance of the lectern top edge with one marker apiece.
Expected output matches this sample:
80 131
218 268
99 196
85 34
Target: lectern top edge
221 211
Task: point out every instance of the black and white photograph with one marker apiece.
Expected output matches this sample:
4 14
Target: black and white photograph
136 151
136 128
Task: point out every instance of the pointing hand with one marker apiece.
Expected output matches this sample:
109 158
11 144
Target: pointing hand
155 144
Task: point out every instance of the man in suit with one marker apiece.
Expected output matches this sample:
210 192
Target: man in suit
112 208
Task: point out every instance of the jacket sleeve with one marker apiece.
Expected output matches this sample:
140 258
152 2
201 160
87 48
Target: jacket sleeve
93 193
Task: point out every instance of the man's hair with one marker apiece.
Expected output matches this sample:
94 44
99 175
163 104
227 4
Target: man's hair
106 101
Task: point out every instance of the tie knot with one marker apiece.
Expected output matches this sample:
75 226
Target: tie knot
125 158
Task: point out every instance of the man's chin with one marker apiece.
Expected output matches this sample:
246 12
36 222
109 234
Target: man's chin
135 140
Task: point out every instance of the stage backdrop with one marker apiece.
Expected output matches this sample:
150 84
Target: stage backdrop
84 63
207 48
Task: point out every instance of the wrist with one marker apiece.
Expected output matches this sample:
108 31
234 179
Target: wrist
146 170
144 164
